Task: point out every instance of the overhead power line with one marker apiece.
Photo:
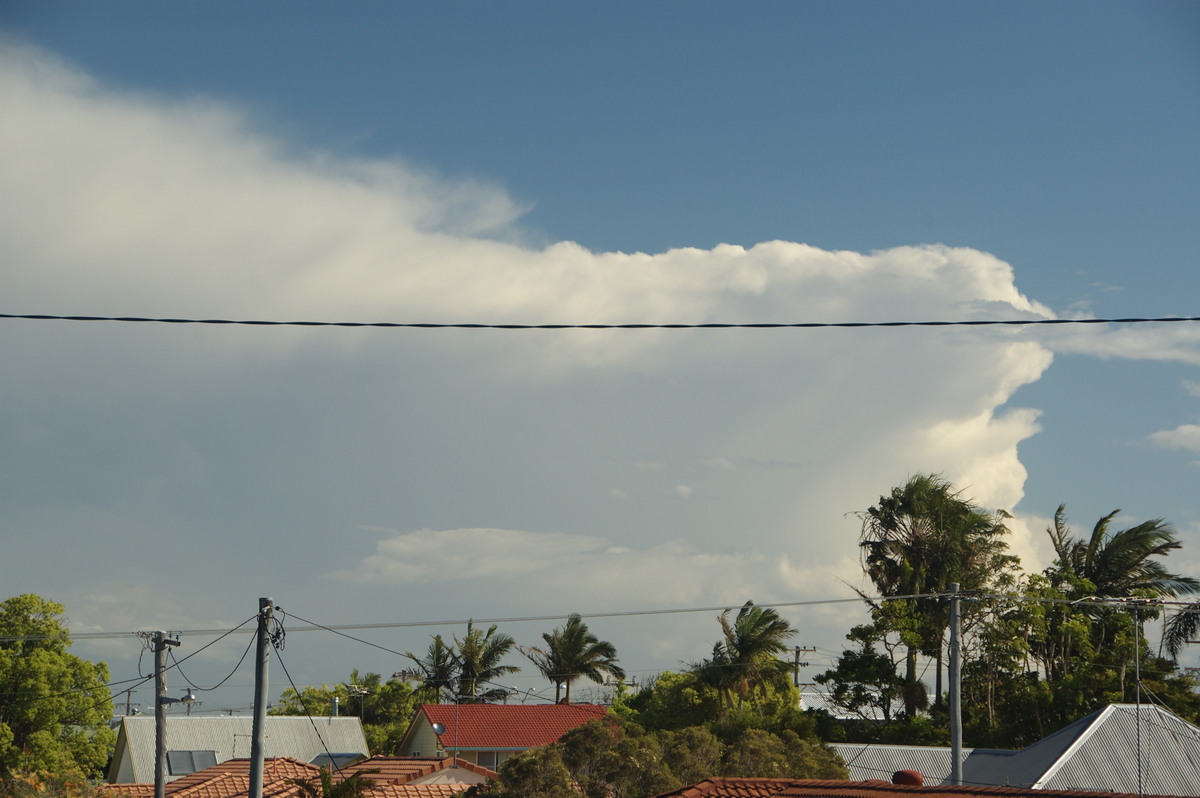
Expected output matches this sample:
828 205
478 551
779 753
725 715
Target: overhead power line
632 326
347 627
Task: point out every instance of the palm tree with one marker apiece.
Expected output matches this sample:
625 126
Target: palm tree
1181 628
918 540
356 785
1118 563
571 652
477 657
437 669
745 660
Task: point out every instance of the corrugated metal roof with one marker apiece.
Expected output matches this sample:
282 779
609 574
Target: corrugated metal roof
875 761
1123 739
299 737
1099 753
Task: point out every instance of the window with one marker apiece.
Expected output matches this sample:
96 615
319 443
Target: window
181 763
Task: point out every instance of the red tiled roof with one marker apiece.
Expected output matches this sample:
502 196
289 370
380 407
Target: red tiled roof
418 790
231 779
404 769
508 726
732 788
814 788
128 790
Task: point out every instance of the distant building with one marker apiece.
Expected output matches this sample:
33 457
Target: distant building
393 777
1121 748
195 743
487 734
873 788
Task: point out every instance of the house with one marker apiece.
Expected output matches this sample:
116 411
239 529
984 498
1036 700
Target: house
487 734
427 770
197 743
1124 747
396 777
821 788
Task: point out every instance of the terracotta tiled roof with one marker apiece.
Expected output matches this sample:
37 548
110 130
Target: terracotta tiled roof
231 779
812 788
404 769
418 790
883 789
732 788
128 790
508 726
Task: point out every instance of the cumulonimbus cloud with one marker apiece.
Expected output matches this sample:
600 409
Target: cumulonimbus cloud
131 205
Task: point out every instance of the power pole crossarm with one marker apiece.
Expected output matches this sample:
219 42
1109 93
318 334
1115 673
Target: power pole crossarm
797 664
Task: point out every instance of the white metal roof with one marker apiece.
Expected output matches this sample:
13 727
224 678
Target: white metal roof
229 737
1121 748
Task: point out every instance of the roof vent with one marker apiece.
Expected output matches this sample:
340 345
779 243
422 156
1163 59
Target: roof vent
909 777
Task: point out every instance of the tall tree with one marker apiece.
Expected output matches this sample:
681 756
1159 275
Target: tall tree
918 540
1119 563
479 659
54 706
384 707
1181 627
437 670
745 661
864 682
573 652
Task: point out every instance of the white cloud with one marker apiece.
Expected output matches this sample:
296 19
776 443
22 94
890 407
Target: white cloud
1185 436
463 554
264 445
1172 343
590 570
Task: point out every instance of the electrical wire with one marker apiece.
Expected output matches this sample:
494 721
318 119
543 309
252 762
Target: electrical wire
587 326
80 712
348 637
338 628
300 697
193 686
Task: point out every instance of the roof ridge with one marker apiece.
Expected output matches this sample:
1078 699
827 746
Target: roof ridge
1097 720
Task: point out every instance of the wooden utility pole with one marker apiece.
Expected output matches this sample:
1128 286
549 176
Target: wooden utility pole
161 642
797 664
956 743
266 607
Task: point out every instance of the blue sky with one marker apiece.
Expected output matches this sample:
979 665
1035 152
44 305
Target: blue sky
533 162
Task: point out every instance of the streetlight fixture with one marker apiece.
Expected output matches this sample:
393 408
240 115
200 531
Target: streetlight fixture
188 698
